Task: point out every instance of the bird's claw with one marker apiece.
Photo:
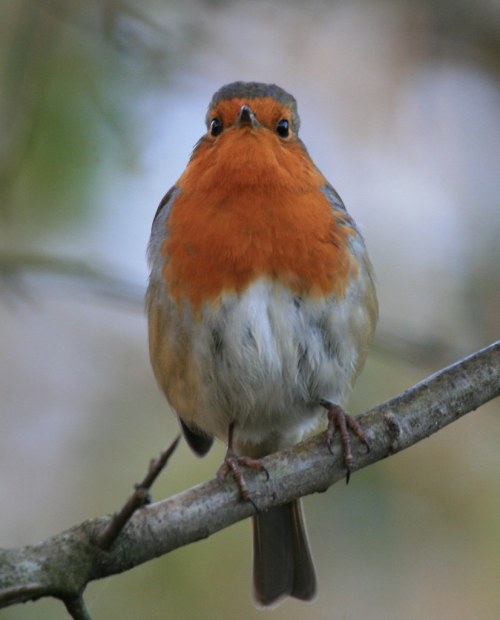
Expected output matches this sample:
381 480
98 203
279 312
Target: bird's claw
234 464
339 420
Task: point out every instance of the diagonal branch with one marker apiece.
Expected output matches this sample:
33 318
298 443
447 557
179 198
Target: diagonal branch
139 498
76 608
63 565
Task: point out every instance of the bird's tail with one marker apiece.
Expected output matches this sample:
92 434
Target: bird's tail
282 563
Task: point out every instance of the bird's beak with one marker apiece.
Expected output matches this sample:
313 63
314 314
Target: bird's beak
246 118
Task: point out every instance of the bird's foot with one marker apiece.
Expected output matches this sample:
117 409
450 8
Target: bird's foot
339 420
234 464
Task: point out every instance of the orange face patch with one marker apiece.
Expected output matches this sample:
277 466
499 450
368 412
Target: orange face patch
267 110
250 205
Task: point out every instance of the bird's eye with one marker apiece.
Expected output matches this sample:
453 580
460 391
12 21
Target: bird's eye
215 127
282 128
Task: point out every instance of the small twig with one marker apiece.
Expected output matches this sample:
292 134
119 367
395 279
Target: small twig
138 498
76 608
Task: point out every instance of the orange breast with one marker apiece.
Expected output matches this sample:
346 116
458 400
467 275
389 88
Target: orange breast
250 208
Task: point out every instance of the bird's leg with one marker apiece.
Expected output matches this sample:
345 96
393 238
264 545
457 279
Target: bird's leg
234 463
339 420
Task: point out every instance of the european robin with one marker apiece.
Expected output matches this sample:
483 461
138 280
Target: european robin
261 306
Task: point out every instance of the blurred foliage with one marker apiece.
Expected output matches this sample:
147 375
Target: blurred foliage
69 72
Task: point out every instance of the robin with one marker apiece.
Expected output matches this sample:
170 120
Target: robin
261 306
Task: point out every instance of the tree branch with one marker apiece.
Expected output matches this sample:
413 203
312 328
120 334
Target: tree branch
63 565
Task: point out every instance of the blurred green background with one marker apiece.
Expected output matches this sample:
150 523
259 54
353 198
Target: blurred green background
101 103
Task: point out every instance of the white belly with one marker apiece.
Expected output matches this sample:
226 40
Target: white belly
266 357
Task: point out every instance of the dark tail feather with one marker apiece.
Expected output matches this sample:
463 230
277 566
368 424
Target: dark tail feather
282 563
199 443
